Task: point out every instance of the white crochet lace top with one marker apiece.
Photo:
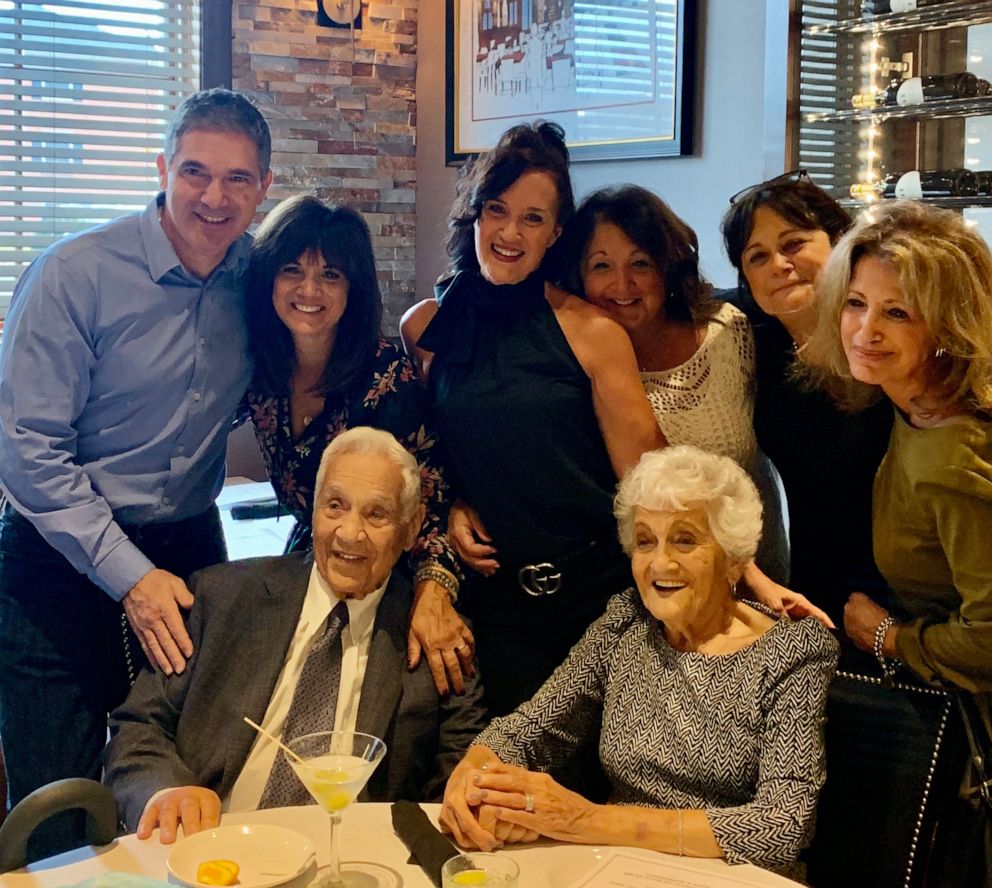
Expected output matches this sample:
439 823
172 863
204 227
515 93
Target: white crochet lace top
709 400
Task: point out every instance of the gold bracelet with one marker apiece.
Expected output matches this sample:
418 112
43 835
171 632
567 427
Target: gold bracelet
678 814
443 577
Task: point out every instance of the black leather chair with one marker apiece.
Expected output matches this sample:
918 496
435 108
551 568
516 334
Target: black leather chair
95 800
895 759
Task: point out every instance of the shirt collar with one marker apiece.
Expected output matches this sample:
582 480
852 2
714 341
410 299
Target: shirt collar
361 613
161 254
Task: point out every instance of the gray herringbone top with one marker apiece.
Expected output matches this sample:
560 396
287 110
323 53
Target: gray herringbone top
737 735
314 703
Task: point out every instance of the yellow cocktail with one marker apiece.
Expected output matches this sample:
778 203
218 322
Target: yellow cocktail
334 766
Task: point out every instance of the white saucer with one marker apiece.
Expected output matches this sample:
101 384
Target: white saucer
267 855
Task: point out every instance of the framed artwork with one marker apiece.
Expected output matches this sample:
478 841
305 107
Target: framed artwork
616 74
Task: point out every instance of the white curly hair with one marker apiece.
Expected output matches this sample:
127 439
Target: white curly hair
683 477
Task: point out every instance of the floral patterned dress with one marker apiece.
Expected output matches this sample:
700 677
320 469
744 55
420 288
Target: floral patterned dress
393 400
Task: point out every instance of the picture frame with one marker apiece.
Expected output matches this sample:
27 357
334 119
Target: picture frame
617 75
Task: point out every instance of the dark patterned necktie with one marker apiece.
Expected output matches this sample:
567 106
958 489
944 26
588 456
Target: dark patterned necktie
312 710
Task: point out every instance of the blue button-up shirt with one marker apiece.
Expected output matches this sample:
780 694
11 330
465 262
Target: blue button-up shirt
120 374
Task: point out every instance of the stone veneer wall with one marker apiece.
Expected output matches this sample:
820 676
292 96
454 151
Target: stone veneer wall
343 118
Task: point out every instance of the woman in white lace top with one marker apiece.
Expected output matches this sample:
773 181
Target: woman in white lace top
627 252
708 400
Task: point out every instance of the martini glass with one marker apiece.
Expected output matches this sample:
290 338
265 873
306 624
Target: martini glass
334 766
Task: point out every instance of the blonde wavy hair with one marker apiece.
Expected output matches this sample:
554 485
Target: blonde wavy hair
945 270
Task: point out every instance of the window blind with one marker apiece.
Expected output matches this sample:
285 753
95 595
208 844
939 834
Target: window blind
87 89
625 54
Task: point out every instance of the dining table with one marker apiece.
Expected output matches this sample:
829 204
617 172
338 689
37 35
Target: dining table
367 835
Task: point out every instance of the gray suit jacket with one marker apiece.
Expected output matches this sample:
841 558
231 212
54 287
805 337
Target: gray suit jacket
188 729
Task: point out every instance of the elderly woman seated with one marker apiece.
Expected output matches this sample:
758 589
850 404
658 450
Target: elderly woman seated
709 710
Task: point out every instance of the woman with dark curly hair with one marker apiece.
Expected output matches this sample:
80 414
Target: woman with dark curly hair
321 365
540 408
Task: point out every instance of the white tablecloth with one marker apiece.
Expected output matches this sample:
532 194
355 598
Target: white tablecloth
367 834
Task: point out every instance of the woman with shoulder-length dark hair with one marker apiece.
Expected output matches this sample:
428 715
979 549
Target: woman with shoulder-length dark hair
321 365
540 408
778 235
628 253
298 227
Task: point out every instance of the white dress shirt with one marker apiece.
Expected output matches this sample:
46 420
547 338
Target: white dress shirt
356 639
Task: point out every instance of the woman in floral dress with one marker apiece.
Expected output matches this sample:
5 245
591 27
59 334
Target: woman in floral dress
322 366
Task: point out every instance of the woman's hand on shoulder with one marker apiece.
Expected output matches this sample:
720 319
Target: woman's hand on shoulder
412 325
440 635
780 599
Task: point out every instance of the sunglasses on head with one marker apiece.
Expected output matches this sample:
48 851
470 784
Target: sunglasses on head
791 176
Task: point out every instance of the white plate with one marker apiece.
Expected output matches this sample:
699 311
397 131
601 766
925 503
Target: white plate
267 855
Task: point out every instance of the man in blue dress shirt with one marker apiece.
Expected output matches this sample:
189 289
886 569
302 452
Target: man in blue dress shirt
123 361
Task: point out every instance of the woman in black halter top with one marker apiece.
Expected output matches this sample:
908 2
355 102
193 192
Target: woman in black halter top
539 406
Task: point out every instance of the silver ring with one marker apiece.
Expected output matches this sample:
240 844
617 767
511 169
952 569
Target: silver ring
529 802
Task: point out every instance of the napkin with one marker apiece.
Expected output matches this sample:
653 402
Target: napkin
429 848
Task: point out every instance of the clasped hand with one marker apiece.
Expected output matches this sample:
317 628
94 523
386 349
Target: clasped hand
486 802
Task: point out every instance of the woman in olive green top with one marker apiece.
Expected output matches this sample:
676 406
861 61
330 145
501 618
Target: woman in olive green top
905 307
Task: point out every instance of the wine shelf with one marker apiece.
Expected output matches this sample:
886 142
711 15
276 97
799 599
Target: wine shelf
951 203
837 54
932 18
976 107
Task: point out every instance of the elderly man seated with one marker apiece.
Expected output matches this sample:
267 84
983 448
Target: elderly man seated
298 644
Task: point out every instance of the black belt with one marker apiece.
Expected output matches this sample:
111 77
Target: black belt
162 533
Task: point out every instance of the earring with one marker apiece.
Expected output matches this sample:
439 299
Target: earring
940 352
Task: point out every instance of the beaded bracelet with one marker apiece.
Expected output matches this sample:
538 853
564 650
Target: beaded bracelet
444 578
887 665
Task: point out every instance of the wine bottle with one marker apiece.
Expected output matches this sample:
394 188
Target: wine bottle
918 90
878 99
915 184
871 8
938 88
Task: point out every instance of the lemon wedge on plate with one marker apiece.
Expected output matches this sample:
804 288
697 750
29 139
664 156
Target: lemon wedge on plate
217 872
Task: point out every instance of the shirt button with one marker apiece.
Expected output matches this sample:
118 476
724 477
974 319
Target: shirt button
196 396
203 340
166 501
